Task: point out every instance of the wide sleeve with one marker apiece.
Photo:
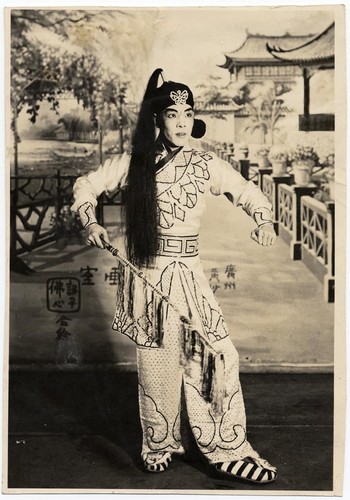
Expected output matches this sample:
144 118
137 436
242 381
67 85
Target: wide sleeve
242 193
108 178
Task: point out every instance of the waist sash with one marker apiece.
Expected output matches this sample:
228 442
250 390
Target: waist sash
177 246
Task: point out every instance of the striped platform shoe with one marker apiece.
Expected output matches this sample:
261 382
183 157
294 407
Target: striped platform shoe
253 470
157 461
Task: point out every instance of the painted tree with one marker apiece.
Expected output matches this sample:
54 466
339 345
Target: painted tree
75 125
34 78
214 94
40 72
35 68
266 108
49 57
100 91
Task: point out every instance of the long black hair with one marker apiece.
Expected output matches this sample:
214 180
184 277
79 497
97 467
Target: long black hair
140 206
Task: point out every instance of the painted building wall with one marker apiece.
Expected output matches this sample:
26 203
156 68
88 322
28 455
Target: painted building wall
220 129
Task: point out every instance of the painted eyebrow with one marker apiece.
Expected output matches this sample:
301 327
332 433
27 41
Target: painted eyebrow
176 111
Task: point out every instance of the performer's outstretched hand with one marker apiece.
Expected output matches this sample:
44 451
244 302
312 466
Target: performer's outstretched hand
264 235
94 232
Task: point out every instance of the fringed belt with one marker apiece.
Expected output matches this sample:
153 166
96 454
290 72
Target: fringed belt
142 312
177 246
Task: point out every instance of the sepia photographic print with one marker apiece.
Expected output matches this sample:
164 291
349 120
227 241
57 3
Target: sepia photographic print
175 183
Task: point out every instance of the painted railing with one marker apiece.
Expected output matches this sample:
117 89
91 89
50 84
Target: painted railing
36 202
253 173
285 208
314 229
226 151
318 241
289 215
306 224
268 188
39 208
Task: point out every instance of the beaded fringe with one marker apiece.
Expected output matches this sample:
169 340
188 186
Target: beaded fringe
139 299
212 365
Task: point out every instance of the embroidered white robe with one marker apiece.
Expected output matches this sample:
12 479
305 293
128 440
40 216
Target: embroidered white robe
182 187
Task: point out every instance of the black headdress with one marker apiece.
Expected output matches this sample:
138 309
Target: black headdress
160 98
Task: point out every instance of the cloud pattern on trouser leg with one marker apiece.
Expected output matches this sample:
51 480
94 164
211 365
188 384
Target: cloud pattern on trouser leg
203 432
224 434
158 435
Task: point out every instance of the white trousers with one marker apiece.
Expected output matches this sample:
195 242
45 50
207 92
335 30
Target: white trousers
220 436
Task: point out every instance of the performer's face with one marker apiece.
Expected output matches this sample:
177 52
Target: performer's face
176 123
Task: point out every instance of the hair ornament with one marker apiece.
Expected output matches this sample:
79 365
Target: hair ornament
179 97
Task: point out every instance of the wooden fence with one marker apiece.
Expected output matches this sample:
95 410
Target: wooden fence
306 224
318 241
227 152
39 208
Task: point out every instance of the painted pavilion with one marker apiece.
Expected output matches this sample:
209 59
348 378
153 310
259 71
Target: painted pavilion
284 59
313 55
252 61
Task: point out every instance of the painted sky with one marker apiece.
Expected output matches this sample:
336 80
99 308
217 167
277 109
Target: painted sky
188 43
193 41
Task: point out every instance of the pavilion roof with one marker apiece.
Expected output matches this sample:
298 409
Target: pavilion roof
320 49
254 48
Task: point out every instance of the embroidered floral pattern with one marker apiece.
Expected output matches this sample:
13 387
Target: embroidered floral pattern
180 183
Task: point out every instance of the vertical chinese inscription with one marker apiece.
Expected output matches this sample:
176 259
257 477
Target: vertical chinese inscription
63 295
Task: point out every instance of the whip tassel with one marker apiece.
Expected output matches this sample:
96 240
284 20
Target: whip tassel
194 345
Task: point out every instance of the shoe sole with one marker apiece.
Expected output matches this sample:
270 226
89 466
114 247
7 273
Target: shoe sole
160 467
245 479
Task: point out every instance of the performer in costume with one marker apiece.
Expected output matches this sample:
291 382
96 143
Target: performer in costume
182 338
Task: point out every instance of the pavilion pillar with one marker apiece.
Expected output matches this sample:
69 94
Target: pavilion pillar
306 78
